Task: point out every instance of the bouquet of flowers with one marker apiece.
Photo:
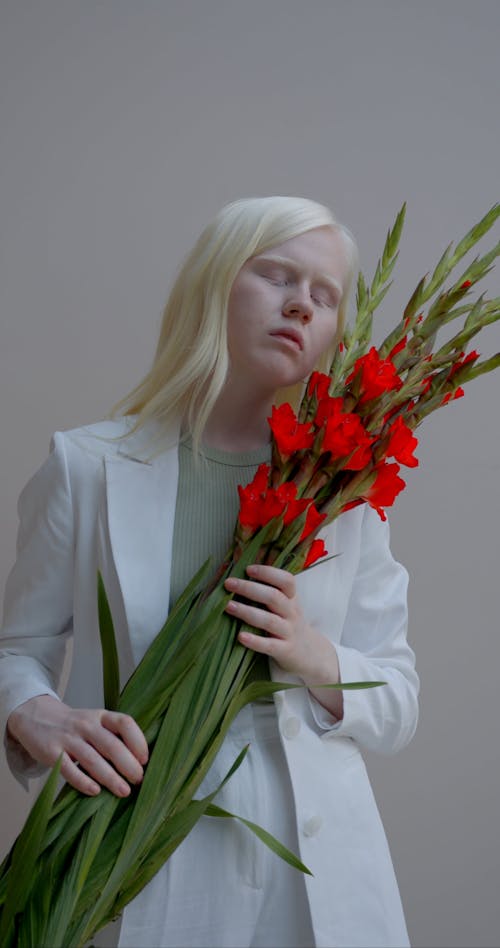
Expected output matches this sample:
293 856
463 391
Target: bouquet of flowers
79 860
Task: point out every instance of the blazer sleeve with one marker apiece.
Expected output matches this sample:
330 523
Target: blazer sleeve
374 647
38 605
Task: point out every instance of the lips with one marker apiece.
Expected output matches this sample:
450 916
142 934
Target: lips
291 334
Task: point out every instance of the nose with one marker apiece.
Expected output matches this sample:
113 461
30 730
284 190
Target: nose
298 307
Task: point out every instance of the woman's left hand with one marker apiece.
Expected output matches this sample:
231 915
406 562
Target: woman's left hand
291 641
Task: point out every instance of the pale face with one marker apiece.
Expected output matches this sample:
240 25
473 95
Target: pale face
283 309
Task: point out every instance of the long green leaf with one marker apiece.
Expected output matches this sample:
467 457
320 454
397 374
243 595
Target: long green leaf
110 663
66 898
270 841
124 871
25 855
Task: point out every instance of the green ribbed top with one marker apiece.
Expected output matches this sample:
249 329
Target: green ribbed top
206 509
207 506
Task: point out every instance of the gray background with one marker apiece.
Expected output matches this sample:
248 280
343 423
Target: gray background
125 126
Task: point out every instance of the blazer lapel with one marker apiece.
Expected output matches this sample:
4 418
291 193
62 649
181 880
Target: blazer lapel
141 493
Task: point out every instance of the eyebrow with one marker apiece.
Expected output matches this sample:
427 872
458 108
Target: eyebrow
286 261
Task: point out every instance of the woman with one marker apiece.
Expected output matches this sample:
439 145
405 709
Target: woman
258 304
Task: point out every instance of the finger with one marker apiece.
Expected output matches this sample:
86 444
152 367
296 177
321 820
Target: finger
96 767
115 751
71 772
129 731
273 576
268 596
265 645
259 618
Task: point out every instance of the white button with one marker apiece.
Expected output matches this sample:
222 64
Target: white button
290 727
312 826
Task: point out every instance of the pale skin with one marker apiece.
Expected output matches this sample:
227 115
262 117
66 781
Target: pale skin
282 315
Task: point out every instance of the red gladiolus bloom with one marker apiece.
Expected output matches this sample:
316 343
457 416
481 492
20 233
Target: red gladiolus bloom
351 504
319 383
344 436
377 375
327 408
290 436
257 511
451 396
316 551
258 503
385 488
464 360
260 480
402 443
397 348
287 493
313 520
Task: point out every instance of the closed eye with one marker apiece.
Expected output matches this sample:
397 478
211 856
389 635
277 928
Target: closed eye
321 295
324 301
277 278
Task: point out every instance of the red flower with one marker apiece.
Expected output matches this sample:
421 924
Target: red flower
316 551
327 408
376 375
260 481
313 520
402 443
463 360
319 383
397 348
352 503
290 436
465 285
451 396
287 493
385 488
344 436
258 503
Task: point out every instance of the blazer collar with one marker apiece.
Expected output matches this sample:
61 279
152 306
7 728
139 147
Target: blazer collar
149 443
141 492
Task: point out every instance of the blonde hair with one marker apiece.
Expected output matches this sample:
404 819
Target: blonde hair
191 360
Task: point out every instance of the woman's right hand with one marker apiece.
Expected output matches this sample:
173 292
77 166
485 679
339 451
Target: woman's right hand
99 747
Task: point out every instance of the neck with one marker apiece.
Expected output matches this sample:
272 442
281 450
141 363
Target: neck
239 422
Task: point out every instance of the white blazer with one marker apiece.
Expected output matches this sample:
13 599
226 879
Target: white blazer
110 504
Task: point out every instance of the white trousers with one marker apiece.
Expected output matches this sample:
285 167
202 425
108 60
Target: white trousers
223 888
